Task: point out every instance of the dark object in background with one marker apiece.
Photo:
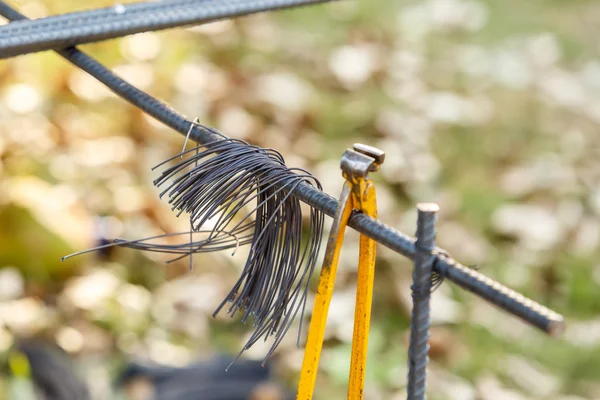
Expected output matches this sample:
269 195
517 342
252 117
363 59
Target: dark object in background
51 372
101 237
245 380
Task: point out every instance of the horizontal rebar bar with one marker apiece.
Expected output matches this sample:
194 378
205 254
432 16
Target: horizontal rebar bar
76 28
473 281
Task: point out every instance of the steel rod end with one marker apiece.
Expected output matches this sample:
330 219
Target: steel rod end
428 207
556 327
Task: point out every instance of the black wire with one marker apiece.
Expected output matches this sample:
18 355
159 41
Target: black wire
473 281
222 180
120 20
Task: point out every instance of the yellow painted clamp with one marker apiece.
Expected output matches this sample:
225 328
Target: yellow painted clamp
357 195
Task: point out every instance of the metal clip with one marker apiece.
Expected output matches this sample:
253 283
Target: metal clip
358 194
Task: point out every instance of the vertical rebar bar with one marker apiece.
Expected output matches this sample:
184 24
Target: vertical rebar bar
421 293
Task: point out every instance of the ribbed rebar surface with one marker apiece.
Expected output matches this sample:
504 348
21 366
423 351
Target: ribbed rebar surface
421 293
91 26
488 289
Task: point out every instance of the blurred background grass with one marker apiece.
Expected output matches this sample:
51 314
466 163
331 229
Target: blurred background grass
489 108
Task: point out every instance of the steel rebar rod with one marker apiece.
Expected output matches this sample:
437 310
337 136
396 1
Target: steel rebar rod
418 349
71 29
473 281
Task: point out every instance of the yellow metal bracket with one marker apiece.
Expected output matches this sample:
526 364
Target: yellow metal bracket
357 195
